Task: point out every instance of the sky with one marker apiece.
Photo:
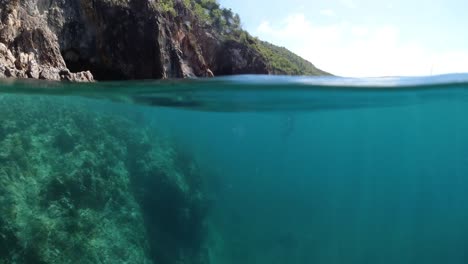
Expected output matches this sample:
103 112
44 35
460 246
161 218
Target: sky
364 38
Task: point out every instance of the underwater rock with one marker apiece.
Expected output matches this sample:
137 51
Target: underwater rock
82 187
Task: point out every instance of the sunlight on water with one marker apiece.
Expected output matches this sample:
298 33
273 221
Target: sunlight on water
246 169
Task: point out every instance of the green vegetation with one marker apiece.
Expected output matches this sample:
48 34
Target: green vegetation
168 7
283 61
223 20
228 24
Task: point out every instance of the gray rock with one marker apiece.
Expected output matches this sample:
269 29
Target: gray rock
10 72
110 40
33 69
49 74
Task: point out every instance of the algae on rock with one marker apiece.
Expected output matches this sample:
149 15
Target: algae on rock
77 186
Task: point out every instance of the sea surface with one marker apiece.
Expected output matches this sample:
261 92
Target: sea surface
277 170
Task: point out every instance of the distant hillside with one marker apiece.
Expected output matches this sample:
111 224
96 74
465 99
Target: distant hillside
283 61
279 60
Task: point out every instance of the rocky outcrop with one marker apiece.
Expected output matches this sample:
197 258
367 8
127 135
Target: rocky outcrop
28 48
113 39
237 58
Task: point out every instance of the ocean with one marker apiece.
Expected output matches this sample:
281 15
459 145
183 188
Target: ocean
242 169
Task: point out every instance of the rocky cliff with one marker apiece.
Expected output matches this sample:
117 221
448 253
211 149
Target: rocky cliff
82 40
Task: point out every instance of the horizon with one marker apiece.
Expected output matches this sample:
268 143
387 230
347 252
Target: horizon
354 38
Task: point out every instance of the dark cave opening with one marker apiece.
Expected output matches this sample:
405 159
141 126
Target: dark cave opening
75 63
127 50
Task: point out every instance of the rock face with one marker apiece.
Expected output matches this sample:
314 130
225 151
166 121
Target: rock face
28 48
113 39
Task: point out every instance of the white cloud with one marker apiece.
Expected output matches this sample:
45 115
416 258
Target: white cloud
327 12
353 50
349 3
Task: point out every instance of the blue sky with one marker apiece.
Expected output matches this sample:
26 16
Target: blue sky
363 38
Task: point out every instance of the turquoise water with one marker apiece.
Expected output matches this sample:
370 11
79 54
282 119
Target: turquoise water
265 170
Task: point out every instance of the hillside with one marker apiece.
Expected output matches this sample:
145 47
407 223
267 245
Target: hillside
85 40
283 61
279 60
